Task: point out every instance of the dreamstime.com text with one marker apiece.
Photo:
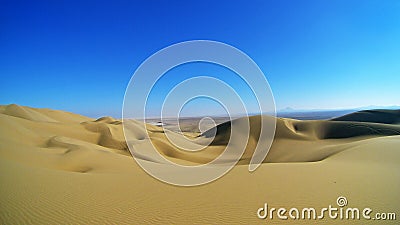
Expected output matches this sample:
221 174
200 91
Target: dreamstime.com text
341 211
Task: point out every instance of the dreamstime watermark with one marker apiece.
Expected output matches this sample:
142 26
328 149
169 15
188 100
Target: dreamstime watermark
338 211
149 73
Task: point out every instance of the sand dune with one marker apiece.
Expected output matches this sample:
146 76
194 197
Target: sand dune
373 116
63 168
41 115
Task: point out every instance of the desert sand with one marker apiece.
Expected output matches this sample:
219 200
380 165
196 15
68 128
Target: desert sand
63 168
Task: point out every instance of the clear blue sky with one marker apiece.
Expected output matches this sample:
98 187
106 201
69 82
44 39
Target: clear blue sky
79 55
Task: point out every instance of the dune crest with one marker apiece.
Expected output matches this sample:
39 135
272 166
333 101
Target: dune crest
26 113
372 116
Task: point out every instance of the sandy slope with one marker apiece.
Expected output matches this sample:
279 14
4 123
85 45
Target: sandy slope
62 168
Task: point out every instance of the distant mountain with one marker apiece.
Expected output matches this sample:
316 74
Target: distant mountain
287 109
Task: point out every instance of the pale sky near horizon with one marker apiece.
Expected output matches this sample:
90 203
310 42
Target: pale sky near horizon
79 56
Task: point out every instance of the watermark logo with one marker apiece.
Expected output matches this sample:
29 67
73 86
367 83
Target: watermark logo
341 201
341 211
144 80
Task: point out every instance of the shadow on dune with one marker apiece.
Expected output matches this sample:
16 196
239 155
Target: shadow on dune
372 116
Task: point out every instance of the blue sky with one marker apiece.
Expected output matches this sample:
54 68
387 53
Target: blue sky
79 55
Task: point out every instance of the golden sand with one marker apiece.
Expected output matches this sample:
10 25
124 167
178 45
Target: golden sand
62 168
